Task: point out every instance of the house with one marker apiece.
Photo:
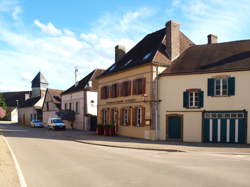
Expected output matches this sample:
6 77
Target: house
51 104
31 108
12 99
205 94
128 88
82 99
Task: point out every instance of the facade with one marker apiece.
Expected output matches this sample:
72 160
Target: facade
128 89
31 108
51 105
204 94
82 99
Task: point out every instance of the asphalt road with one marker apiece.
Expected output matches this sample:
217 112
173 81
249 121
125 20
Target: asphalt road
47 160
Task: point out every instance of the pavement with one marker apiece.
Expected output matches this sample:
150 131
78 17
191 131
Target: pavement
8 175
59 158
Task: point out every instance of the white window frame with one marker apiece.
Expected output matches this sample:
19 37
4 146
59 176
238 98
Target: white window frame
104 116
138 116
125 116
195 99
221 86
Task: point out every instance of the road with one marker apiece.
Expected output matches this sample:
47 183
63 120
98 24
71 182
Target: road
47 160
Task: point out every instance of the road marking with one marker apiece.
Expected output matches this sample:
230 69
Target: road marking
18 169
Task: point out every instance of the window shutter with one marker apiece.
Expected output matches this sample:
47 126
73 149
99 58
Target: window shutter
201 99
231 86
129 88
101 95
186 99
134 87
210 87
121 116
133 116
143 116
101 116
129 116
143 85
117 90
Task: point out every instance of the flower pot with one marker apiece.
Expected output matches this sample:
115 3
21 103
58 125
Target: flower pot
112 131
106 130
100 130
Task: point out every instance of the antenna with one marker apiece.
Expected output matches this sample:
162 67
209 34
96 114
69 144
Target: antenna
76 71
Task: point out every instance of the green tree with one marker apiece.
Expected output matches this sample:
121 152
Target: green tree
3 106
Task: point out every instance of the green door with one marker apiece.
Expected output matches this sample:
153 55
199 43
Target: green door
174 127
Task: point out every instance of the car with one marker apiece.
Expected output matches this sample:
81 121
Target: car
36 124
56 124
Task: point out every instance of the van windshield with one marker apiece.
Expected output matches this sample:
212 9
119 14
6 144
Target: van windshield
57 121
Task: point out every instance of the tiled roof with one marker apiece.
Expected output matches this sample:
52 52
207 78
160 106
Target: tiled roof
56 96
81 85
219 57
145 51
30 102
12 97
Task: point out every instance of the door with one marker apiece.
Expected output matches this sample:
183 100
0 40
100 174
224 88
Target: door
224 127
174 127
93 123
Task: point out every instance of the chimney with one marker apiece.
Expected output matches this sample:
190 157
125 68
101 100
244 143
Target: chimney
173 39
212 39
120 51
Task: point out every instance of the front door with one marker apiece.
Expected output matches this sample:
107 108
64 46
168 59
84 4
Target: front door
174 127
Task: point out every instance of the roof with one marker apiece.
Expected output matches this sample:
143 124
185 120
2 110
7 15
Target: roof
12 97
55 96
30 102
39 78
145 51
82 84
219 57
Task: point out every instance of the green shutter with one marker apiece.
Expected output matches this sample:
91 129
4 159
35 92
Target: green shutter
210 87
201 99
186 99
231 86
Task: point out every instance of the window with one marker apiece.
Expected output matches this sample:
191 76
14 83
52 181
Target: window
125 88
65 106
77 107
31 117
70 106
126 116
193 98
221 86
105 92
104 116
114 118
114 90
139 86
139 116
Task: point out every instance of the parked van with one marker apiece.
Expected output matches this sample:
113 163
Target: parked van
56 124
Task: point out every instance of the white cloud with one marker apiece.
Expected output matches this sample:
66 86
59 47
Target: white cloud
49 28
17 11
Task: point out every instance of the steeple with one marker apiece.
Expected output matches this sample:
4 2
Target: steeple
39 85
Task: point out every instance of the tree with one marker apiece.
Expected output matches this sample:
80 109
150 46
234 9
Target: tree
3 107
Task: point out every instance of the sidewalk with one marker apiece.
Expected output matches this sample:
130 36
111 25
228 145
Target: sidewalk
8 174
133 143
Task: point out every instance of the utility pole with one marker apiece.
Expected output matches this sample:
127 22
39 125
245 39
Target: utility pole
76 71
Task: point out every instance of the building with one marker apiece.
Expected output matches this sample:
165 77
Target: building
51 104
12 100
82 99
129 88
31 108
205 94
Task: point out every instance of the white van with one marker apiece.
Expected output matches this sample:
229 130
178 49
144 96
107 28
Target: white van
56 124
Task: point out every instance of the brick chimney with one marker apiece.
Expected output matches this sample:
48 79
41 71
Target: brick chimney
212 39
172 39
120 51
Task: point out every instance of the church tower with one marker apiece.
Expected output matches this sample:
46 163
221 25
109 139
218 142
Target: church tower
39 85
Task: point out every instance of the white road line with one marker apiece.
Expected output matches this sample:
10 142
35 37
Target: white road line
18 169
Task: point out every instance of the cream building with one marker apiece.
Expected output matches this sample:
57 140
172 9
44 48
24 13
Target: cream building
128 88
205 94
82 99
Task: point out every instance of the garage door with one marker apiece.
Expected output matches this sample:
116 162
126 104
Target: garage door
224 127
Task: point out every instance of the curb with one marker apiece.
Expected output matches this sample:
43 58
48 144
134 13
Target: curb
18 169
125 147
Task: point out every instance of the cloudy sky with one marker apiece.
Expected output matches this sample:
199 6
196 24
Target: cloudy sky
56 36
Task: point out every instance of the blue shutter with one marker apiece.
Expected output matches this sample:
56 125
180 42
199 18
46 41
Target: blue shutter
201 99
210 87
186 99
231 86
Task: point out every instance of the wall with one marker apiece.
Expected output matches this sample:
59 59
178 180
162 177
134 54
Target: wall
27 112
91 104
79 117
171 96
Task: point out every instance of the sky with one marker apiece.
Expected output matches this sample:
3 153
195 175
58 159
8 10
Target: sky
56 36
